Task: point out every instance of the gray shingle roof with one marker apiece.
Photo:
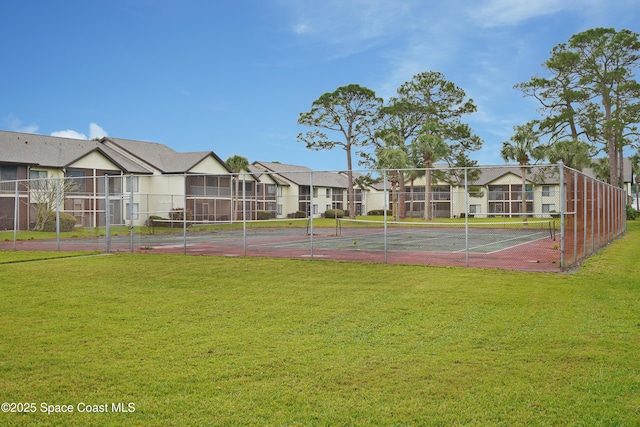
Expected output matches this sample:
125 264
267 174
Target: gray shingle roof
536 174
56 152
302 175
161 156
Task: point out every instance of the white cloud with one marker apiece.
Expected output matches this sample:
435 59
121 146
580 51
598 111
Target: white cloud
495 13
301 28
348 23
95 131
69 133
14 124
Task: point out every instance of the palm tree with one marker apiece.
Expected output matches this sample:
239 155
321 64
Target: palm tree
573 153
415 162
237 164
523 148
601 169
391 157
432 148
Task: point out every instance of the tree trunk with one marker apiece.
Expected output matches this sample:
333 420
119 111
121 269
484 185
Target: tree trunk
637 194
427 191
394 198
411 197
612 149
524 194
402 209
350 191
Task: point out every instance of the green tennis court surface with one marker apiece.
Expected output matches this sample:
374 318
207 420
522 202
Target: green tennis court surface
482 238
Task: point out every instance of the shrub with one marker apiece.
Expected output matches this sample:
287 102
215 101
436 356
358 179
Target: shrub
67 222
334 213
263 215
157 221
379 212
301 214
178 214
631 213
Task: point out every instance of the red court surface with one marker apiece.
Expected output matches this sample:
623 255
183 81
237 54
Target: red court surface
541 254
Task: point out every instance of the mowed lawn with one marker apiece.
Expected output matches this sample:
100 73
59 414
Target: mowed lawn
192 341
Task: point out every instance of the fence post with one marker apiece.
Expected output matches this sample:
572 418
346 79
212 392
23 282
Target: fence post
107 213
311 213
584 215
466 217
16 212
563 210
184 213
131 213
384 212
575 217
58 212
593 207
244 213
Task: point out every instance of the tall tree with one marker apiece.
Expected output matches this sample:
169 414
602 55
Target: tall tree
602 169
524 149
402 119
393 158
439 105
572 153
352 112
592 92
431 148
237 164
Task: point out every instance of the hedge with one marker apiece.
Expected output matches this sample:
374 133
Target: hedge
334 213
67 222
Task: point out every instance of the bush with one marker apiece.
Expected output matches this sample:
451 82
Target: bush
157 221
334 213
631 213
379 212
178 214
301 214
67 222
263 215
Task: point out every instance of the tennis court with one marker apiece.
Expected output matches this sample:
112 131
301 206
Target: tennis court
437 237
509 244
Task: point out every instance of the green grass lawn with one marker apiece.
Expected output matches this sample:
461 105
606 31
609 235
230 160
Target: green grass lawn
239 341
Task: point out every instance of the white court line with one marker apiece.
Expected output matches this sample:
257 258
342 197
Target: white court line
507 240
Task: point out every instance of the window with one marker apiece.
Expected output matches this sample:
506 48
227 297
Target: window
475 209
328 193
136 210
548 190
136 184
529 190
315 191
279 209
548 208
315 209
38 179
78 178
8 173
37 174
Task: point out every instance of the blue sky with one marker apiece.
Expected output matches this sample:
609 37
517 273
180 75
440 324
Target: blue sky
233 76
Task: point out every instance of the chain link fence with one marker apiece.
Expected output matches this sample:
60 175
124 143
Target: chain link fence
543 218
